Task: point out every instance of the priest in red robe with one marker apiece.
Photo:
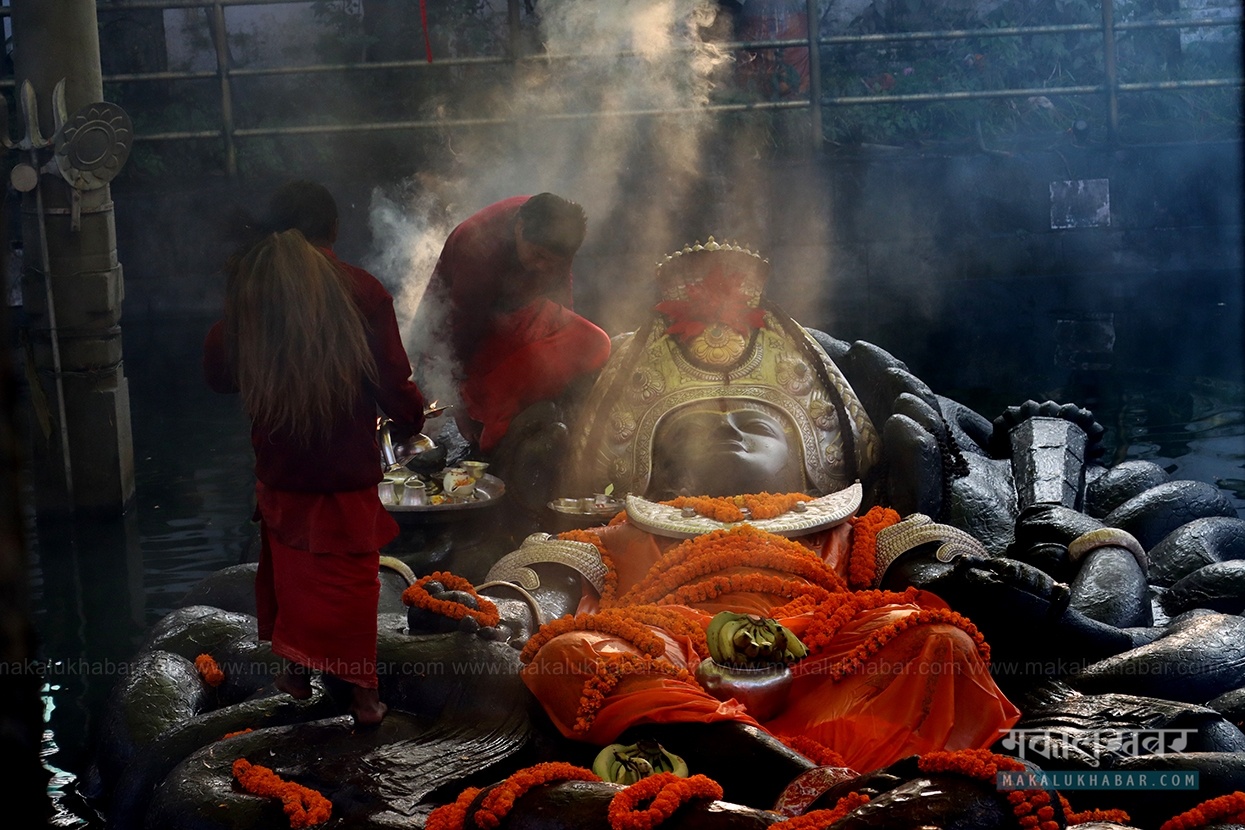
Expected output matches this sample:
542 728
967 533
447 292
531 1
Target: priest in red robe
504 283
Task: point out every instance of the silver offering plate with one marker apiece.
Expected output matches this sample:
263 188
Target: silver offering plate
602 509
487 491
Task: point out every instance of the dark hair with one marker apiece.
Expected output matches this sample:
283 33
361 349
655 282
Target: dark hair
297 338
552 222
303 206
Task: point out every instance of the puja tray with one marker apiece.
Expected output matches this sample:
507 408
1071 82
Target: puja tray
488 490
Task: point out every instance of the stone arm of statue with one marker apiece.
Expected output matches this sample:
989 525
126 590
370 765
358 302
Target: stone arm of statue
996 481
936 450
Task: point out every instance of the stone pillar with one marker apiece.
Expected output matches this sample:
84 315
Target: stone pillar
55 39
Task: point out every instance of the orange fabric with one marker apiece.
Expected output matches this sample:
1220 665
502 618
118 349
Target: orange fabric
561 668
928 689
529 355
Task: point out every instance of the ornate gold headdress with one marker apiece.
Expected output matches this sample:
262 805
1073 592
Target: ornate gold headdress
712 337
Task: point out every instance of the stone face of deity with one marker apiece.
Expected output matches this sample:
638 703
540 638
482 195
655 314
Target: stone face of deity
723 448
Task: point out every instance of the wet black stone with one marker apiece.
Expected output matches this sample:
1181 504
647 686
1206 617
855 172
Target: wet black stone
1158 511
1083 731
1121 483
1231 705
460 597
1198 543
914 467
197 629
984 504
1111 588
1219 586
230 589
934 801
1050 524
1219 773
1201 656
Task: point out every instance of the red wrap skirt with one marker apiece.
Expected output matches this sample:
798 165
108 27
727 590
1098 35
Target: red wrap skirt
317 586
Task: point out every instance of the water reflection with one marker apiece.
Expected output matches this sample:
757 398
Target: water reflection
67 807
98 585
1194 428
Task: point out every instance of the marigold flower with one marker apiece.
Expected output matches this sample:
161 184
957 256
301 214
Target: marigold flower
819 819
452 816
862 563
417 595
209 670
1086 816
1226 809
303 806
1031 807
499 800
664 793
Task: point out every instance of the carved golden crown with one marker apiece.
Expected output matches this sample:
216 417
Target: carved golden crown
742 267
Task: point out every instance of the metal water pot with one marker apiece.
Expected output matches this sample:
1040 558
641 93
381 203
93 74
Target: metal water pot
395 455
763 689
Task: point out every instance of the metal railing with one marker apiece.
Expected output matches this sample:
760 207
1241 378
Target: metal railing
230 133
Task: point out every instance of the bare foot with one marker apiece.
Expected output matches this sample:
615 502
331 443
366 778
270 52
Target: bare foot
366 707
294 682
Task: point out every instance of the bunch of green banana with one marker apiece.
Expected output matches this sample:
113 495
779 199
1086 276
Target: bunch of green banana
749 640
628 763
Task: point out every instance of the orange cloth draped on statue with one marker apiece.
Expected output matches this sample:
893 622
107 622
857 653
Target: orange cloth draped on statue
529 355
926 689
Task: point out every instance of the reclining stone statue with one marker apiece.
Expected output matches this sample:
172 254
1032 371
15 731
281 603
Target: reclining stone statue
826 501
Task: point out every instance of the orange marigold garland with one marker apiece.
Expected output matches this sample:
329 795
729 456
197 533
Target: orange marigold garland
630 625
713 587
303 806
498 801
862 561
418 596
731 508
821 819
615 622
830 617
209 671
1226 809
664 793
610 589
741 546
1086 816
1032 808
452 816
610 672
674 623
814 750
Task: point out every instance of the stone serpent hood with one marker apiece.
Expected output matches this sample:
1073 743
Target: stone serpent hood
713 337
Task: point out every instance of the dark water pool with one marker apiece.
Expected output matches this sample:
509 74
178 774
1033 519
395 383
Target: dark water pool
97 586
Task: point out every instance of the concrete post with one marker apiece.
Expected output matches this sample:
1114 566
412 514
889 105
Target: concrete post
55 39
